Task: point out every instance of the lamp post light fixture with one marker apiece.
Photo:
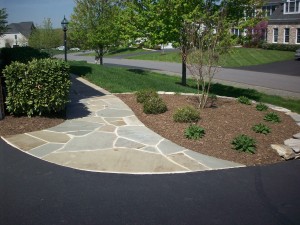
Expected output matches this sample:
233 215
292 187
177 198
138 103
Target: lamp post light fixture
64 25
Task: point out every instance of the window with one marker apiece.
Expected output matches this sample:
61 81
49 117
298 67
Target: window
298 36
275 35
286 35
235 31
292 6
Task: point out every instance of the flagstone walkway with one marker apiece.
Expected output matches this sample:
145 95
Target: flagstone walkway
102 134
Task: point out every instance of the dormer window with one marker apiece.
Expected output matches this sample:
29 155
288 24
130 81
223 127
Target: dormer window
292 6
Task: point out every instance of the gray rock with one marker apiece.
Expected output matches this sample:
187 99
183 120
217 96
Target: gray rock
293 143
297 136
284 151
295 116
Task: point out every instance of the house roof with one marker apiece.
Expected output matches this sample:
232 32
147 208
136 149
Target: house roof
24 28
278 17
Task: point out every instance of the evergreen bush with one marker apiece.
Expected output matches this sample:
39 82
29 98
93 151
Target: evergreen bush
37 88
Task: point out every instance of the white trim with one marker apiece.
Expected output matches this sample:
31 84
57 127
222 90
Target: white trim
297 3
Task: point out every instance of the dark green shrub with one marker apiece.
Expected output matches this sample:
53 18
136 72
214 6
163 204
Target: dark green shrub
37 88
244 100
244 143
143 95
261 107
187 114
281 47
194 132
154 105
21 54
272 117
261 128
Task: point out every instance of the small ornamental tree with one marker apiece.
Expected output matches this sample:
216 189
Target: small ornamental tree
257 33
211 38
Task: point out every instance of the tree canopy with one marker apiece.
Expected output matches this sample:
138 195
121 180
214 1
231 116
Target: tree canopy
45 37
96 24
3 21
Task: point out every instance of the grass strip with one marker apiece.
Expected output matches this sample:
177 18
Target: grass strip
121 80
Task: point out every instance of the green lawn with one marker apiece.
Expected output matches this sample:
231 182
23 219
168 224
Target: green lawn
120 80
238 57
120 51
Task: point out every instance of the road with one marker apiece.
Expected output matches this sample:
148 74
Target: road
263 78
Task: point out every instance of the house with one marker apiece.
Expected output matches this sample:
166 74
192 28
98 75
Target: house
17 34
284 23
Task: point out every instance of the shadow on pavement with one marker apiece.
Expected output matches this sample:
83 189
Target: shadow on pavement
78 93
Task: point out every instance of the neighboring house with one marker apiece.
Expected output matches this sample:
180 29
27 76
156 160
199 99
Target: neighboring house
17 34
284 23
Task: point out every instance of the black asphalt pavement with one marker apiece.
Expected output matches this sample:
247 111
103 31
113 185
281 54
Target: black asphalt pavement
289 67
37 192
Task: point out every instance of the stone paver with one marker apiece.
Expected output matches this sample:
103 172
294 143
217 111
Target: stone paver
116 160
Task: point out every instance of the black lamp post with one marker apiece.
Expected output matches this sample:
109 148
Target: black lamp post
64 24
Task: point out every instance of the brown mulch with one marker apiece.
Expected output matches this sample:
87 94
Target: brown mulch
12 125
222 124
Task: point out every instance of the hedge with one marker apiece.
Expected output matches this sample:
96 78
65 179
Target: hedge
37 88
281 47
21 54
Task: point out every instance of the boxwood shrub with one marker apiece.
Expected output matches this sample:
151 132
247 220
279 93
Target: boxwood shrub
281 47
37 88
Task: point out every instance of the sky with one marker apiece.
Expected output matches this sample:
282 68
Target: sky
38 10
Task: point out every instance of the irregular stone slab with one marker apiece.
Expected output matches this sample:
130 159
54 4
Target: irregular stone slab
212 162
297 136
94 108
280 109
79 133
122 142
295 116
51 136
92 119
284 151
187 162
167 147
45 149
133 121
118 123
93 141
116 103
107 128
139 134
293 143
150 149
74 125
25 142
115 160
114 113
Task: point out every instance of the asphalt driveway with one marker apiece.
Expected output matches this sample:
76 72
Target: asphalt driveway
290 67
33 191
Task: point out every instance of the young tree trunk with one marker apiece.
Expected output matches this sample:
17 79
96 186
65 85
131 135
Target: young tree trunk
101 55
183 73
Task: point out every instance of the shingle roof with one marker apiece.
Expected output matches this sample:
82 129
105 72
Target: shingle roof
24 28
278 17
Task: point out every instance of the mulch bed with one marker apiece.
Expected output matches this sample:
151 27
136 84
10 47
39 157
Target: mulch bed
222 124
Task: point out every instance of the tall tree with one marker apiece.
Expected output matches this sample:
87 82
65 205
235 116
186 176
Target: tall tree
96 24
45 37
164 21
3 21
